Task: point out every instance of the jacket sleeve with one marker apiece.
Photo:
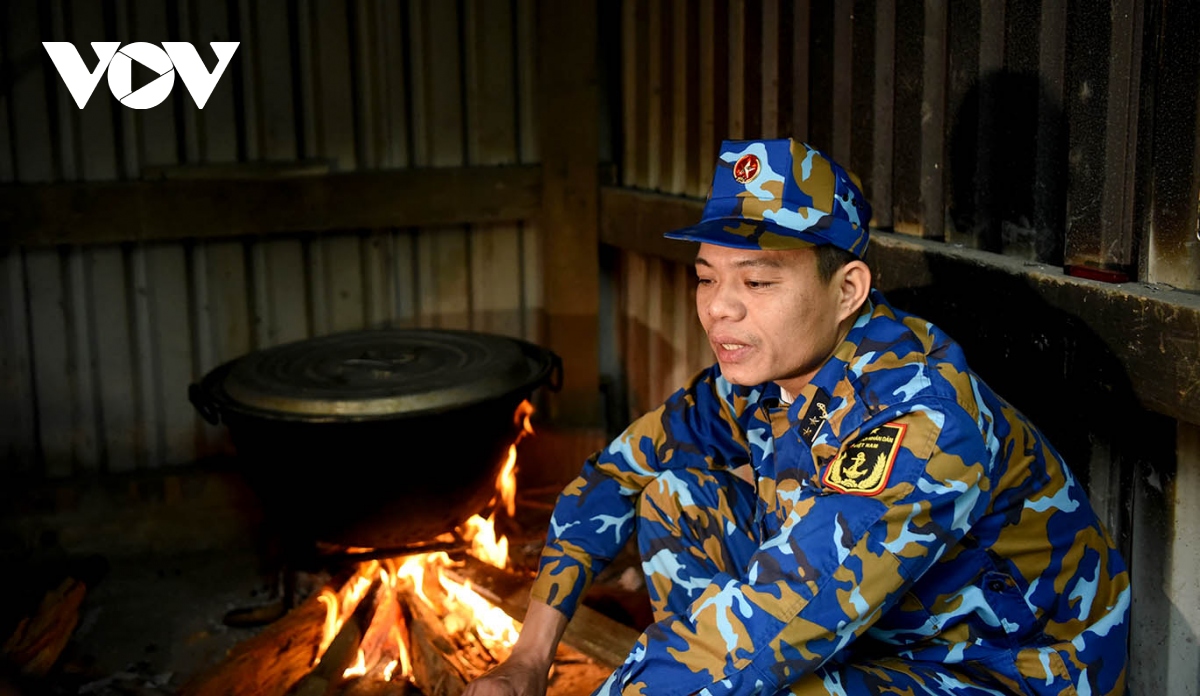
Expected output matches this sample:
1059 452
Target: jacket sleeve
838 563
697 427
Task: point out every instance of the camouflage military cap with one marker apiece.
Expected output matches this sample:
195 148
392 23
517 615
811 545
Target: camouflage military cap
781 194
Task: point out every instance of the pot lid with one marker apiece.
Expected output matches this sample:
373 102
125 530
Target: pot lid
379 373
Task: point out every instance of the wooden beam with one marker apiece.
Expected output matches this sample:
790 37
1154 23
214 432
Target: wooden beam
1148 335
568 118
635 221
230 206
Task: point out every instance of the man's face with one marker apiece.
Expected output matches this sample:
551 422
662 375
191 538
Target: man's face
768 315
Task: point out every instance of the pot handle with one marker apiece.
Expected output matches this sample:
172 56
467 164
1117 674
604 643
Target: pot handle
205 405
555 378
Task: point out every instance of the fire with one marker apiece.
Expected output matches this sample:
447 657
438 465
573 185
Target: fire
463 612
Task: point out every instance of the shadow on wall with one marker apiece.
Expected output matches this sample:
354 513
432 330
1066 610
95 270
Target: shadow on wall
1008 168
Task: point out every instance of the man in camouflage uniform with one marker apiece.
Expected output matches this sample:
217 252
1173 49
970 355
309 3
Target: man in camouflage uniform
839 505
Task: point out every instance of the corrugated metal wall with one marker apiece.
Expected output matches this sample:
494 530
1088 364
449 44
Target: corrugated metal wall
99 343
935 104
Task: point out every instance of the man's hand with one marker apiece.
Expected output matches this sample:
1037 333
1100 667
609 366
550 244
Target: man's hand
524 673
513 677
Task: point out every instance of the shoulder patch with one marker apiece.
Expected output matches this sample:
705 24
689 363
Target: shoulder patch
863 468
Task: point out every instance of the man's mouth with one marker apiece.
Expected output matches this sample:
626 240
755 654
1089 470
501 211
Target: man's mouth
731 351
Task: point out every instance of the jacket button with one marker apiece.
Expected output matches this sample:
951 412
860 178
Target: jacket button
996 585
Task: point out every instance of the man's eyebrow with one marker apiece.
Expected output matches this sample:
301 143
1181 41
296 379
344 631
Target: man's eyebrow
757 262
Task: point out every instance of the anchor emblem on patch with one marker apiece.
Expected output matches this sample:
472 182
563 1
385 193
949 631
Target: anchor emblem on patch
863 468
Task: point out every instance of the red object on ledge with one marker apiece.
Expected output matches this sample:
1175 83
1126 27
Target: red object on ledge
1100 274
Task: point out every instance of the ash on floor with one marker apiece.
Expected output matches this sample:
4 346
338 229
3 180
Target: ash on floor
146 624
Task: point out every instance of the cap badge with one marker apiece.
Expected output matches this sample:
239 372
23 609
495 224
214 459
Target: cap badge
746 168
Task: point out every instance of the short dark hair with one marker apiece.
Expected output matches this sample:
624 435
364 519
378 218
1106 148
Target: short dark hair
830 259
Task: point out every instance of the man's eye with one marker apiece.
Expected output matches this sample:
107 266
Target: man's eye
758 284
705 281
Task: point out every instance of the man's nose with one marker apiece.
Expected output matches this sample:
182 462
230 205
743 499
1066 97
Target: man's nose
724 303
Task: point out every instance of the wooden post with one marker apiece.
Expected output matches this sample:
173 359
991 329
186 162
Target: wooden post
568 113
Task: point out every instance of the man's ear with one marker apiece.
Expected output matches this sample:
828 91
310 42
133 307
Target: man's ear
854 284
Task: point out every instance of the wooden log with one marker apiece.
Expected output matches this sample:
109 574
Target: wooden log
276 659
434 673
35 645
593 634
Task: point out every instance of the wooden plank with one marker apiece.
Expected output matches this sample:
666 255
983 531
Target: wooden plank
682 330
533 302
379 279
115 376
67 111
683 98
308 129
216 123
393 79
710 85
149 431
151 135
7 170
526 47
657 352
80 356
1174 254
249 112
368 70
444 287
989 144
491 95
343 283
862 93
1087 73
167 285
442 252
569 107
280 309
736 102
933 122
496 282
1050 169
208 440
273 80
404 244
636 221
635 355
843 56
316 287
823 71
495 253
50 361
214 208
334 111
885 114
658 81
801 62
439 66
963 88
1183 569
18 429
770 68
714 85
637 90
33 148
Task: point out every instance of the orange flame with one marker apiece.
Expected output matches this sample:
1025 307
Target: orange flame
462 610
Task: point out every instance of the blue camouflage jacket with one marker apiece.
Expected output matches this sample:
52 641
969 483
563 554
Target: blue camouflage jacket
901 504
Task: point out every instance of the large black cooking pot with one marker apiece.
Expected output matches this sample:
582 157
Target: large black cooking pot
377 438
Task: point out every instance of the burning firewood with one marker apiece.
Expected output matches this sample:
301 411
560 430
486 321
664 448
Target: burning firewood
272 662
35 645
